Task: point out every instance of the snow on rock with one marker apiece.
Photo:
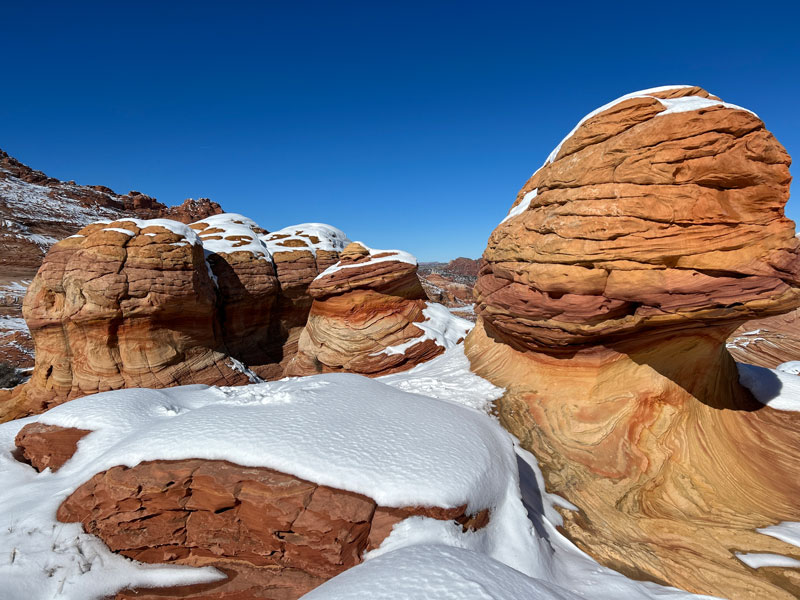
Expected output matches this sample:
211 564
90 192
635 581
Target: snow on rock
523 205
176 227
447 377
788 532
306 236
382 438
372 257
671 105
440 325
791 367
231 232
778 389
756 560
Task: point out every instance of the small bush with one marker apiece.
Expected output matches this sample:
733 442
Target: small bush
9 376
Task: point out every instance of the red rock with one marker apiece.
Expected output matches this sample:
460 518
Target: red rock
275 535
46 446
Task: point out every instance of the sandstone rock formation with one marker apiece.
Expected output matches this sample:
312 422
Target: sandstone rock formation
36 211
156 303
274 535
300 253
364 315
451 284
122 304
649 235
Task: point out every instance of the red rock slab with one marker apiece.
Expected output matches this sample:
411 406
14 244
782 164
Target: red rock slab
273 534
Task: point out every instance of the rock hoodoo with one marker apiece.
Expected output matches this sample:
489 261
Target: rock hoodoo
605 298
363 316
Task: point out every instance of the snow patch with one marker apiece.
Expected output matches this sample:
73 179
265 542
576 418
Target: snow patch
756 560
237 235
314 236
440 325
522 206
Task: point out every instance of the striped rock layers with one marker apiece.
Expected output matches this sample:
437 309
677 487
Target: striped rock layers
363 316
605 298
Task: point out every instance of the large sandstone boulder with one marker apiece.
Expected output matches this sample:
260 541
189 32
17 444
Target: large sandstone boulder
605 298
122 304
156 303
365 316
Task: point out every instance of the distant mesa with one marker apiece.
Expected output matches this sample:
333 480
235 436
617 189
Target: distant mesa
605 298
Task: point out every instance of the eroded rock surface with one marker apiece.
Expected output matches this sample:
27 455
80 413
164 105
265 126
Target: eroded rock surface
606 296
122 304
363 314
767 342
46 446
276 536
36 211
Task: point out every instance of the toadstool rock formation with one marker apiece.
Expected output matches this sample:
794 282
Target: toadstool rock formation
605 298
364 315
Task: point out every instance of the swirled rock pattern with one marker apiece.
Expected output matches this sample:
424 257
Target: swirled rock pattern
363 316
605 298
274 535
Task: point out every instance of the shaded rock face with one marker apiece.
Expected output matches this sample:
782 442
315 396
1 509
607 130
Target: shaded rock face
274 535
247 287
605 300
363 314
48 446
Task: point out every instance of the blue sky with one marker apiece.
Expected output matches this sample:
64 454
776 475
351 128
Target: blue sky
407 124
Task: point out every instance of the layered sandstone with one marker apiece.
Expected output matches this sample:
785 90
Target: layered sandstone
274 535
247 287
767 342
363 318
122 304
48 446
156 303
36 211
605 298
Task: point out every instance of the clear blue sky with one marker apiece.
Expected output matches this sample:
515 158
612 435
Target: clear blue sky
407 124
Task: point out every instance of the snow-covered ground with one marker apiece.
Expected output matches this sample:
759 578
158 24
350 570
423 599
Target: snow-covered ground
423 437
